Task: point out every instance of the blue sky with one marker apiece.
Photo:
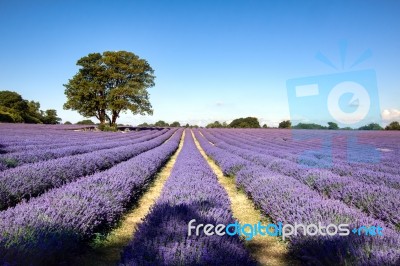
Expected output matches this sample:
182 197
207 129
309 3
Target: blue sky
214 60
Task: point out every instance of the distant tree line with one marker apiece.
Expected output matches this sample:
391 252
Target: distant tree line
252 122
247 122
15 109
372 126
161 123
331 125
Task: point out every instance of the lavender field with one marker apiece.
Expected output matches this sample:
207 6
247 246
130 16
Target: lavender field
60 188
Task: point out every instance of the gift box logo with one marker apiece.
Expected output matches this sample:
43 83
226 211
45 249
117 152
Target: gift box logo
349 99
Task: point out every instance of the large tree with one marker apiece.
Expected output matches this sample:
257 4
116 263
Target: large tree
108 84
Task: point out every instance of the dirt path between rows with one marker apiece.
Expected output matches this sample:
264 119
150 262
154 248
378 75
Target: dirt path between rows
265 249
108 250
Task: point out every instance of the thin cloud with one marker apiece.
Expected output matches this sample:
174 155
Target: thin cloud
391 114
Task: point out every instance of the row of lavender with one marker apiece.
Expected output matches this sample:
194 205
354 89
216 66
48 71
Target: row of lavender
31 180
191 192
50 228
16 141
340 148
380 201
28 134
57 139
285 199
321 148
369 173
26 154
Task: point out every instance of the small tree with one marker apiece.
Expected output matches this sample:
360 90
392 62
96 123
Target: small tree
175 124
333 126
265 126
393 126
216 124
248 122
161 123
50 117
67 123
285 124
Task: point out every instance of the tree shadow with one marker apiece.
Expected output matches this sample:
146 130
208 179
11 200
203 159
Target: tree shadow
162 239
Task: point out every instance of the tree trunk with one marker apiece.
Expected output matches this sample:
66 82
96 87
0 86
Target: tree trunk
102 117
115 115
108 119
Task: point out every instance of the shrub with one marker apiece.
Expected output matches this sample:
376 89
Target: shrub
104 127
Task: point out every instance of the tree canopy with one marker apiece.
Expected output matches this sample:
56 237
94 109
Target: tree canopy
393 126
332 125
372 126
175 124
108 84
308 126
85 122
144 125
15 109
50 117
248 122
285 124
161 123
215 124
